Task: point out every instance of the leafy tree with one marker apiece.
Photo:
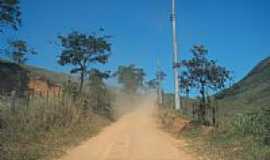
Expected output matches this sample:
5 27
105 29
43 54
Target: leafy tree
18 51
152 84
185 83
70 89
203 75
130 77
156 82
160 76
99 93
80 50
10 13
96 78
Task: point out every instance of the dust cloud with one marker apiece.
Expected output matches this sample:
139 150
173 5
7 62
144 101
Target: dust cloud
125 103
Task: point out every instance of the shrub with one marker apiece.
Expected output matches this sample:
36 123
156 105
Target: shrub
252 124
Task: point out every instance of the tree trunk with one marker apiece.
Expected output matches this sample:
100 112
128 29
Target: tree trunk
202 112
193 111
186 106
13 101
81 82
214 115
214 112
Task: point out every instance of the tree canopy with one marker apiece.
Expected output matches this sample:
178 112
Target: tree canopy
152 84
202 75
131 77
81 49
200 72
156 82
18 51
10 14
96 78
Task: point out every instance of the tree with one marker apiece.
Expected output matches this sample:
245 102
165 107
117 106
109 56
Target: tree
80 50
70 89
152 84
203 75
130 77
186 83
160 76
96 78
99 93
157 81
18 51
10 13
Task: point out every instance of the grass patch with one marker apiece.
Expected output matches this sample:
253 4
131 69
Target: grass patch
44 130
243 137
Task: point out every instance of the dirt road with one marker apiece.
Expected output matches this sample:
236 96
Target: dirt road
134 137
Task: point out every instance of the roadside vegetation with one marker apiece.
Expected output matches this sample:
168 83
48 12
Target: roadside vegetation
233 127
42 122
44 127
242 136
37 125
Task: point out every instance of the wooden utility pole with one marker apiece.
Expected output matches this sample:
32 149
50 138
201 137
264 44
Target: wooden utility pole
175 59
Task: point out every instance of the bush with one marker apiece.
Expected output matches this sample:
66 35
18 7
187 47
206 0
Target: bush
252 124
248 124
245 136
241 137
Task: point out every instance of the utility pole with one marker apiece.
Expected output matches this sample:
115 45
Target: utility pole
175 58
159 79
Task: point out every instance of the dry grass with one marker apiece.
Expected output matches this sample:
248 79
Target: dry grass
44 129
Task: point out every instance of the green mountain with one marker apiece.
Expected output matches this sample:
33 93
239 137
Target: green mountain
252 92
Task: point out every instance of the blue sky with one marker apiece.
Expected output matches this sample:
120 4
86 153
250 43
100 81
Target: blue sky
236 32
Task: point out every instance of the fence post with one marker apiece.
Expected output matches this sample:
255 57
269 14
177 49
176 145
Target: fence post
193 111
13 101
47 97
27 98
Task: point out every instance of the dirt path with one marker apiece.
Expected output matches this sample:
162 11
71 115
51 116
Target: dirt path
134 137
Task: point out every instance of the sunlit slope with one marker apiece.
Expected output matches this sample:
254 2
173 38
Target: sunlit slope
252 92
14 76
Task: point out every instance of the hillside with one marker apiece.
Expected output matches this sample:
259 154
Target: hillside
15 76
252 92
53 76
